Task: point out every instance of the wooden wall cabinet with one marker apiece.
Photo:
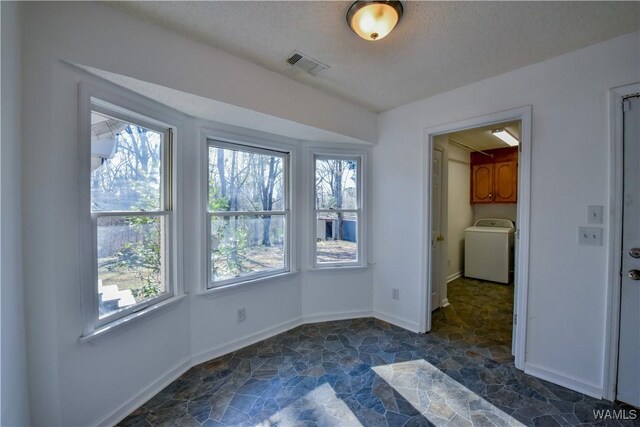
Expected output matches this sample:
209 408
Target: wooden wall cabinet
495 179
482 177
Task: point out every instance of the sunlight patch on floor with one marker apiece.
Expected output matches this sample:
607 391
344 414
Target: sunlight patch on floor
438 397
320 404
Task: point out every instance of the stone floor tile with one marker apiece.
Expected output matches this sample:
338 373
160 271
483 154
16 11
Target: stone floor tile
368 372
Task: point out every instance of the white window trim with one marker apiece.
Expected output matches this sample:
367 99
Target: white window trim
165 211
362 157
262 145
123 105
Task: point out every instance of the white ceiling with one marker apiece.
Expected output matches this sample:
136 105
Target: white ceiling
436 47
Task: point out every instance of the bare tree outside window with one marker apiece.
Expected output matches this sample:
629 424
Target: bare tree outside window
128 178
247 212
336 205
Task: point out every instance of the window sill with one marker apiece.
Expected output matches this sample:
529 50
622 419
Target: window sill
118 324
245 285
338 268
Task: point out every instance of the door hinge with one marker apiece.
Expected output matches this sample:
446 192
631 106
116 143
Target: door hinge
515 319
626 105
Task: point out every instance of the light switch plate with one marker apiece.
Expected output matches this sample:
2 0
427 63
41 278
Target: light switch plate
594 214
590 236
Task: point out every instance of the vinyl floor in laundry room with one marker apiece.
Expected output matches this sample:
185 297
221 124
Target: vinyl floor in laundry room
370 373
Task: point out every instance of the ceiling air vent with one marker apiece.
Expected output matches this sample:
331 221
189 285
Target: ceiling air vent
306 63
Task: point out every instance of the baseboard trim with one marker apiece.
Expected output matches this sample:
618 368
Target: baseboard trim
564 380
454 276
403 323
123 411
244 342
154 388
341 315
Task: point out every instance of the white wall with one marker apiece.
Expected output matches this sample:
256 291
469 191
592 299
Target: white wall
336 295
82 384
14 393
507 211
570 158
460 214
331 294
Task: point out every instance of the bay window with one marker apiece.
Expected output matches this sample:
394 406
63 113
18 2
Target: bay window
247 213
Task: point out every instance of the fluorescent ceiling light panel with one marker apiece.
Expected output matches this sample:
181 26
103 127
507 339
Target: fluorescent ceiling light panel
505 136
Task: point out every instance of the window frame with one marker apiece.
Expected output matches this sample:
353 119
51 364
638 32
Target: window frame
124 106
247 146
361 200
164 213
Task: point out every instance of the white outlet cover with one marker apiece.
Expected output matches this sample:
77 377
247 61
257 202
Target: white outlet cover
590 236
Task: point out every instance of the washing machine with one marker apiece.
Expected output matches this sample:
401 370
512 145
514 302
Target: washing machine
488 250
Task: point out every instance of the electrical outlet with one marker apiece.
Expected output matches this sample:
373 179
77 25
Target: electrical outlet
594 214
242 315
590 236
395 293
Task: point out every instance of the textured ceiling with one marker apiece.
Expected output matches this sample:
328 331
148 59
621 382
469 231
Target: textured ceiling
436 47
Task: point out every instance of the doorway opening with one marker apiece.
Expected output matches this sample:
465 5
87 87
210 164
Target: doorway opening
476 239
474 219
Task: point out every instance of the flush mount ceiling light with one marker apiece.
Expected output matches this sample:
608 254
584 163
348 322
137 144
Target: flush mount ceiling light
504 135
373 20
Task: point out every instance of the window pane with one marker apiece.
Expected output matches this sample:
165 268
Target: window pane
245 245
125 166
245 181
336 184
336 237
130 261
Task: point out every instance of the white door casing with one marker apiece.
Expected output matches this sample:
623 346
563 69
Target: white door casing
628 388
523 218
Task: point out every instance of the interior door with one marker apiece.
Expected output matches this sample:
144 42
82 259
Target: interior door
629 352
439 189
436 235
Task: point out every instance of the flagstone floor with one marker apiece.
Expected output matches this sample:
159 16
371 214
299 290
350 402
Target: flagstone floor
368 372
